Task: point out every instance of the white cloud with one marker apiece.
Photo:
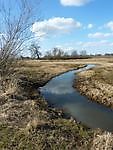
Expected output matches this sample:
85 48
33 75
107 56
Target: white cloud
55 26
90 26
109 25
91 44
111 44
100 46
96 44
100 35
74 2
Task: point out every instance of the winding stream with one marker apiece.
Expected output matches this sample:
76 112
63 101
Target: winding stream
59 92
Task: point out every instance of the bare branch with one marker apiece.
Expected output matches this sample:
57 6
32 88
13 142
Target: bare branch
14 32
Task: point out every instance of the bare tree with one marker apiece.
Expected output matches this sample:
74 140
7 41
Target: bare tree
34 49
48 54
14 34
83 53
57 52
74 53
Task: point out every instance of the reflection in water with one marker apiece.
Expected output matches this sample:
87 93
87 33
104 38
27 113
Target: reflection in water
59 91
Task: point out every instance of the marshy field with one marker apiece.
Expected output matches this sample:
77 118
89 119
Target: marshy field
28 121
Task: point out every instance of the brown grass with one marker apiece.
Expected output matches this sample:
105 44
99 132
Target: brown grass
28 122
42 71
97 84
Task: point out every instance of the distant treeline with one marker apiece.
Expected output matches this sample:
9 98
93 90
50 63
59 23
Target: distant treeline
58 53
66 57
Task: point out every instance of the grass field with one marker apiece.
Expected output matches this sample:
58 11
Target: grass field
26 120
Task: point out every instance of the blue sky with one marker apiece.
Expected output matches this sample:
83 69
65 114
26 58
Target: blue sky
76 25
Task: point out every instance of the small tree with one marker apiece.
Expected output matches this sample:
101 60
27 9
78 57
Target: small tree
14 34
34 49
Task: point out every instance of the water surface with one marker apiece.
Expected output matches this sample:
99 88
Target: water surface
59 92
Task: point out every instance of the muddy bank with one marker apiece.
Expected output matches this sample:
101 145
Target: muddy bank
97 85
27 122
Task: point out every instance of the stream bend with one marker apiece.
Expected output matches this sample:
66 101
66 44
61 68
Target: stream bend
59 92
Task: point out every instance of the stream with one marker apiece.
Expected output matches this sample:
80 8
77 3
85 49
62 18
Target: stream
60 93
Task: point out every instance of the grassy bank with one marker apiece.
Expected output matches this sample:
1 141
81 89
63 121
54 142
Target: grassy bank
26 120
97 85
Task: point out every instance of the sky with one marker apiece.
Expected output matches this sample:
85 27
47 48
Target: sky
76 25
73 25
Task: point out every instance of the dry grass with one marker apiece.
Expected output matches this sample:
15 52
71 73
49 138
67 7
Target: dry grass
30 124
42 71
97 84
27 122
103 141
